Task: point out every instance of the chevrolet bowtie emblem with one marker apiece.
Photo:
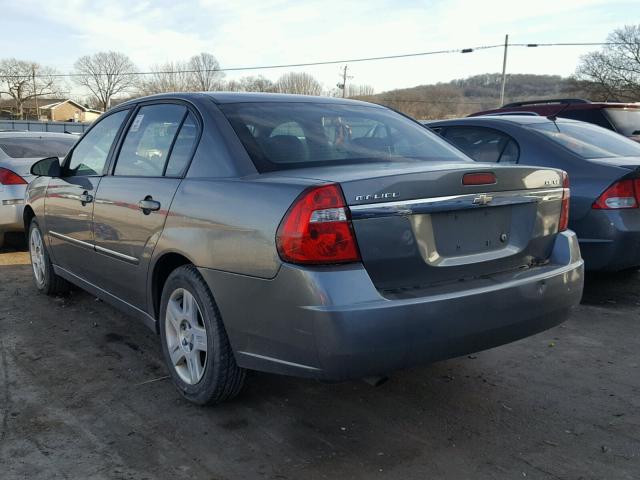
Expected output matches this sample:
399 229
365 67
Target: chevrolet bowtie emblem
482 199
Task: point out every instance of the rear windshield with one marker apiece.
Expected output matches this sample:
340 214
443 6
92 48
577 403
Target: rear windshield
588 141
626 122
280 136
37 147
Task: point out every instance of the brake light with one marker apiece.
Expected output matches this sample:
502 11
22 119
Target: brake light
7 177
622 194
317 229
479 179
563 223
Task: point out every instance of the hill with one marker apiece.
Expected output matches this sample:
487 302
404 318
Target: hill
461 97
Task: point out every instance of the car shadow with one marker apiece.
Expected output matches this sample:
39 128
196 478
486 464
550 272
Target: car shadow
613 289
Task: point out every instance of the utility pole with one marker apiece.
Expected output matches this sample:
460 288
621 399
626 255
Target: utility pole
343 85
504 69
35 92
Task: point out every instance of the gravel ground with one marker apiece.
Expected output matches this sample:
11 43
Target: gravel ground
83 395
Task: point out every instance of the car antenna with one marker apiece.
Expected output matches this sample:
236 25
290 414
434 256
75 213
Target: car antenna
555 115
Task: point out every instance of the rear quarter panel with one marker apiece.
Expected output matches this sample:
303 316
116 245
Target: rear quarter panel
228 224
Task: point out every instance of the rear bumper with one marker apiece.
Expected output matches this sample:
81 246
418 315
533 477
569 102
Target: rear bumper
11 208
333 324
610 239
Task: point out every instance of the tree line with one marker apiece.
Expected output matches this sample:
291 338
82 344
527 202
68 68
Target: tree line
108 76
609 74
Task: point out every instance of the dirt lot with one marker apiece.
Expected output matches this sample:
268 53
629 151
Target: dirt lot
82 397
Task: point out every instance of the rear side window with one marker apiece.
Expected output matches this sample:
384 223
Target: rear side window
281 135
90 154
148 141
37 147
183 147
625 120
591 115
484 144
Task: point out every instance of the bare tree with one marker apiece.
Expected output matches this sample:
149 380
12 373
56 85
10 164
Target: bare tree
359 90
23 81
300 83
105 75
205 72
250 84
167 77
614 71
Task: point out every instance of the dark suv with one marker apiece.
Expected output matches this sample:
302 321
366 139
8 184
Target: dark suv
623 118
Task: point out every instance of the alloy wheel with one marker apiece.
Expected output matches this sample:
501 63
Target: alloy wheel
186 336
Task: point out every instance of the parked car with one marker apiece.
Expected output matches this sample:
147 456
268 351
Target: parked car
306 236
18 151
603 167
623 118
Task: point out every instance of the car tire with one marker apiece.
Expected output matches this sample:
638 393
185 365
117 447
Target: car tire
44 276
1 239
195 345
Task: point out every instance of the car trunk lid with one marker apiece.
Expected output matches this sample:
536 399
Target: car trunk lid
418 225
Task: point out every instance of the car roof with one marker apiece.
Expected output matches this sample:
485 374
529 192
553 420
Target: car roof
501 119
31 134
249 97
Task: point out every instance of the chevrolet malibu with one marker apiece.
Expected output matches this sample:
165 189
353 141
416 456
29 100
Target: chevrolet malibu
305 236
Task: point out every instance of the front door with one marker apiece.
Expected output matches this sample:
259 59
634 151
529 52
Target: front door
69 200
131 205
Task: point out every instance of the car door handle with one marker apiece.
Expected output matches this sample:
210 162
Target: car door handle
86 198
148 205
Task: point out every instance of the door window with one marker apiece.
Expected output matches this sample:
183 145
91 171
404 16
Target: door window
90 154
183 147
484 144
148 142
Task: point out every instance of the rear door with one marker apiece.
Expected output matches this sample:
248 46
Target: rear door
70 199
133 202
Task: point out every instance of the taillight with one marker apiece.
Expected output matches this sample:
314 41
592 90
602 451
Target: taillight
7 177
622 194
563 223
317 229
479 178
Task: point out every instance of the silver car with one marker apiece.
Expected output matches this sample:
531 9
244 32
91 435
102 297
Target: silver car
18 151
297 235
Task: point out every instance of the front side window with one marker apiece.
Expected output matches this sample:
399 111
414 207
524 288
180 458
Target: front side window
148 141
284 135
484 144
90 154
588 141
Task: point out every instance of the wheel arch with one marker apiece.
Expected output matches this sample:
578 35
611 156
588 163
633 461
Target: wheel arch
27 215
162 268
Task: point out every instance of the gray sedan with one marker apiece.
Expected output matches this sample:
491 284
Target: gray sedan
305 236
603 167
18 151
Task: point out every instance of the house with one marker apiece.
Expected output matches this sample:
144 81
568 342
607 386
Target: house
50 109
68 111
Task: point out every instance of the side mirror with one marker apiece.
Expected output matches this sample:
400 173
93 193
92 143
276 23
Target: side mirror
47 167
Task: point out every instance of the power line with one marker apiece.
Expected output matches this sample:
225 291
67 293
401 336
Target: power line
333 62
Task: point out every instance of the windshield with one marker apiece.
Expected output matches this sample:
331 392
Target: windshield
37 147
625 121
279 136
588 141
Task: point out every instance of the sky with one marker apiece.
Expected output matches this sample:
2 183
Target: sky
267 32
